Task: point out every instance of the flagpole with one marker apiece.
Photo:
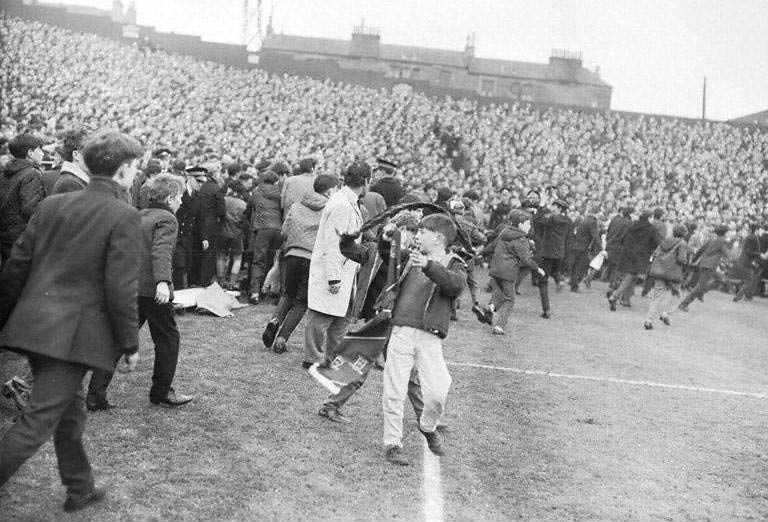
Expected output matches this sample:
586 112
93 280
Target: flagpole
704 100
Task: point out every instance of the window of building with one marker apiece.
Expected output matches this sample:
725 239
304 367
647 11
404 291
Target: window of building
487 85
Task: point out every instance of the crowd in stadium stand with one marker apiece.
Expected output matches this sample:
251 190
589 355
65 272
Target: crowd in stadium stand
56 79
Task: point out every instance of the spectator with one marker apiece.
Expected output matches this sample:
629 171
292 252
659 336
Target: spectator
669 258
264 215
637 245
229 246
74 173
21 189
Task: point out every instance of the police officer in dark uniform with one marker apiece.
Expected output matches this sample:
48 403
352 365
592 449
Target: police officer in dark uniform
186 258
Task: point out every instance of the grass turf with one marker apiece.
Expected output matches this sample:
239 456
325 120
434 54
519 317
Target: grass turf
531 447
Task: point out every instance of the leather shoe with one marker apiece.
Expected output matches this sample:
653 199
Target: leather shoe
270 331
172 399
433 442
99 406
279 346
394 455
76 504
333 415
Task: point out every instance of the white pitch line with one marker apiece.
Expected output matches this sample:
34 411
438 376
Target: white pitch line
614 380
432 487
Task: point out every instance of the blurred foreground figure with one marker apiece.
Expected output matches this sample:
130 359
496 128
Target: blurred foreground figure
71 313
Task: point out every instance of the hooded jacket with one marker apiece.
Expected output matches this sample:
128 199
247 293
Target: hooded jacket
301 223
264 208
512 251
21 190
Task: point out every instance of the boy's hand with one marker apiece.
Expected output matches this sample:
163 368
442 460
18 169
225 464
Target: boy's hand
418 259
541 272
334 287
162 293
205 244
387 231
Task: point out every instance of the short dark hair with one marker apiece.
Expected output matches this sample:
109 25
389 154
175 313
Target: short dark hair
269 177
71 141
164 185
105 152
441 224
21 144
357 175
324 182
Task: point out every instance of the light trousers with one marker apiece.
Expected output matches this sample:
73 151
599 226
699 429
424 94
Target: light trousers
408 348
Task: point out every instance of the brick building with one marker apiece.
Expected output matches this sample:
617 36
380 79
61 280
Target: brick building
364 58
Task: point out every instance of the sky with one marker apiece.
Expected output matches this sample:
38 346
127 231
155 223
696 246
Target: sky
655 54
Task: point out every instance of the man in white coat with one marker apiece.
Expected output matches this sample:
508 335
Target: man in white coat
332 279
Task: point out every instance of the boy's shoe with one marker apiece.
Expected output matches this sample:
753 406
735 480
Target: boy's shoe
665 319
611 305
394 455
280 345
172 399
545 314
479 313
434 442
254 299
333 415
270 331
99 406
498 330
648 325
76 504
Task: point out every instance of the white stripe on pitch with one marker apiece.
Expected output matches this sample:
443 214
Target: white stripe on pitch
612 380
432 487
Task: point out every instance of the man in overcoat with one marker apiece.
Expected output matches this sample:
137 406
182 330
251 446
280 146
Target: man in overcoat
72 313
639 242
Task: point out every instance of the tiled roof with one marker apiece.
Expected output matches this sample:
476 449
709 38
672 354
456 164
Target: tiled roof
446 58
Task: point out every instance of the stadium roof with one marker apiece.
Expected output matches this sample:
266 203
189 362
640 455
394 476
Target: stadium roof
424 55
758 118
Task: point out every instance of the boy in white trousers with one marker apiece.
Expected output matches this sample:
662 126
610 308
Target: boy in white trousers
420 319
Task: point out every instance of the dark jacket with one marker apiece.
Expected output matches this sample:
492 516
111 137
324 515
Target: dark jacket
553 231
49 178
263 210
586 237
390 189
68 182
639 242
616 230
426 297
188 215
69 289
211 209
750 251
512 251
159 230
21 190
672 273
710 255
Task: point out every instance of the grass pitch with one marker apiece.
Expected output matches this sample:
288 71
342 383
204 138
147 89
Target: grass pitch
596 439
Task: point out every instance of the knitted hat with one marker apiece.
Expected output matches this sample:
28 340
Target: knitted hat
518 216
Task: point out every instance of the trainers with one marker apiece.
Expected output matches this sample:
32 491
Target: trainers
665 319
76 504
394 455
333 415
433 442
18 390
545 314
498 330
488 315
280 345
